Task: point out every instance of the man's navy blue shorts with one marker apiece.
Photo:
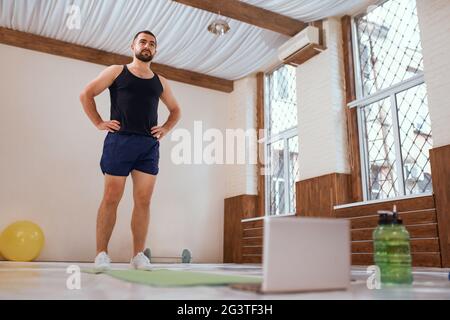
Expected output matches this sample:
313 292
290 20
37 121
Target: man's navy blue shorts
123 153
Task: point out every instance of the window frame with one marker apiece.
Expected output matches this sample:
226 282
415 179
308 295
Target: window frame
361 102
268 140
284 136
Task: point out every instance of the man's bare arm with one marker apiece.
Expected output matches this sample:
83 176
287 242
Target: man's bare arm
93 89
174 108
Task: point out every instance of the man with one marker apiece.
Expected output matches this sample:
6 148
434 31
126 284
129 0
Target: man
132 142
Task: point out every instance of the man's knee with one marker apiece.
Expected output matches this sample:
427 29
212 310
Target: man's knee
142 200
112 196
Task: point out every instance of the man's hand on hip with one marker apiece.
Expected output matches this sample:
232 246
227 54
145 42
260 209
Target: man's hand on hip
111 126
159 132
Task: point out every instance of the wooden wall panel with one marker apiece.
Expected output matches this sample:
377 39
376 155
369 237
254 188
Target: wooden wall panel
440 171
252 251
253 224
415 231
252 241
236 209
404 205
419 217
409 218
317 197
255 232
252 259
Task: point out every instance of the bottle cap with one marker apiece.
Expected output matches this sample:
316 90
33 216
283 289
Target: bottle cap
395 217
385 217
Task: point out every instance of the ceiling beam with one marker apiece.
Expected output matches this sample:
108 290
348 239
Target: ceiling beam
69 50
249 14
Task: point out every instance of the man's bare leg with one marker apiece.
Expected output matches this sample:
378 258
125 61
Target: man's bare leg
143 185
106 218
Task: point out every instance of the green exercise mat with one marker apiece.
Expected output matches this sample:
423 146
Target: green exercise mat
170 278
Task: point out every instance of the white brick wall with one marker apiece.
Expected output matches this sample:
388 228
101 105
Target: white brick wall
434 21
321 103
242 179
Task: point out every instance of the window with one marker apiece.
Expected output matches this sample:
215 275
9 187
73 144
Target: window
393 116
281 144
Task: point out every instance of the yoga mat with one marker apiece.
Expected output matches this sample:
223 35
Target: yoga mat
170 278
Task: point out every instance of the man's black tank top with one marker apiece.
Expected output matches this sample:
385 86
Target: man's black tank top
134 102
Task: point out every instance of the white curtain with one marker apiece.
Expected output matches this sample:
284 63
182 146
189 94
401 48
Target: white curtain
183 39
309 10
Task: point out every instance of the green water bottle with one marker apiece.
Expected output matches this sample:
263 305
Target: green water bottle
398 267
379 240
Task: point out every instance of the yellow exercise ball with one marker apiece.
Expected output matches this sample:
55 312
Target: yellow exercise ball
21 241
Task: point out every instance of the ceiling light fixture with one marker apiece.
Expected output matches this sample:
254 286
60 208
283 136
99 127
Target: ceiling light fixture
219 27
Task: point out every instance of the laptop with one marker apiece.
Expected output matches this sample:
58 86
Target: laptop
304 254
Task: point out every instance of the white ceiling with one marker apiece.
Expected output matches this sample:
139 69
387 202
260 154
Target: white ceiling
183 41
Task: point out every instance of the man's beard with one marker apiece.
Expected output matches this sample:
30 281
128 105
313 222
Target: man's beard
145 58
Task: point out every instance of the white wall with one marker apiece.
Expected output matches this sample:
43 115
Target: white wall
321 103
50 155
434 22
242 178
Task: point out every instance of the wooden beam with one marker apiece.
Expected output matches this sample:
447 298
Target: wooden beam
249 14
194 78
351 114
261 207
74 51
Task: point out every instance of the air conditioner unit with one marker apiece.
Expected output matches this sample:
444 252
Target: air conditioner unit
305 38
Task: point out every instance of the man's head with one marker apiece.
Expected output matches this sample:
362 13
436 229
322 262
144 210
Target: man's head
144 46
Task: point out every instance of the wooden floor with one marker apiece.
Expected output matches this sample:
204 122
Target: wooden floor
48 281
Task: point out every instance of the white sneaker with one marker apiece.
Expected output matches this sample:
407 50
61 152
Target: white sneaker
102 262
141 262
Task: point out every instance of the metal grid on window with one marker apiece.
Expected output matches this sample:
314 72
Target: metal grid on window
282 94
389 45
293 171
282 140
277 199
416 139
380 146
397 141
